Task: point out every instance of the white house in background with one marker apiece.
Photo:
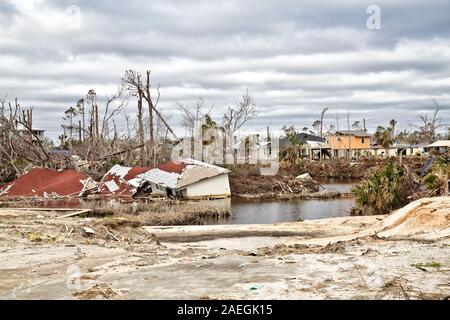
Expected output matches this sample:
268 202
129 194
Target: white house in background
39 133
440 145
188 179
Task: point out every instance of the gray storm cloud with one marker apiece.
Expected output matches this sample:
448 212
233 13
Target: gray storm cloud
293 56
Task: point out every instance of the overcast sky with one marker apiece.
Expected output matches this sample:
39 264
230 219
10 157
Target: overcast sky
293 56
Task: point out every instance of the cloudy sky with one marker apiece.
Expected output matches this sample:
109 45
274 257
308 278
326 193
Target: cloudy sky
293 56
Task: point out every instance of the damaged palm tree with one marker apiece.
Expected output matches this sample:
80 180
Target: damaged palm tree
436 182
387 188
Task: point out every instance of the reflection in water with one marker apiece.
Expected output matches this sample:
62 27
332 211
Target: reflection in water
245 211
339 185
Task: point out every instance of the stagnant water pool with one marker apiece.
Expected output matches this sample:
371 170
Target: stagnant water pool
245 211
249 211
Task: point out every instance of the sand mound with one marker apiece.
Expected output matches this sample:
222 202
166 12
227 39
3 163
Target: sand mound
426 218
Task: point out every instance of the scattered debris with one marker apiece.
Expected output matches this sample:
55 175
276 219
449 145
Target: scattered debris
121 181
88 231
76 213
98 291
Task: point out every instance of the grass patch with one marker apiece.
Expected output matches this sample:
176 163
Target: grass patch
431 264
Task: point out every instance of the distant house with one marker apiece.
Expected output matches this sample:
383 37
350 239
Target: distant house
37 133
440 145
357 141
312 146
303 138
188 179
418 148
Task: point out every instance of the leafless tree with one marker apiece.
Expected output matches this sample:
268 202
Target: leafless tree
322 114
239 114
429 125
134 84
194 113
114 105
19 144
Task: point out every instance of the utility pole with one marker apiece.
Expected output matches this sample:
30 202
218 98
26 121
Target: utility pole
79 130
349 136
321 120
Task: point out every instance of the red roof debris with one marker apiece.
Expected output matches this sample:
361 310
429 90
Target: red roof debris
174 166
116 180
134 171
43 180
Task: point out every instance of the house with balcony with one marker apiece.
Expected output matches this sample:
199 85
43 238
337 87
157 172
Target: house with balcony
348 144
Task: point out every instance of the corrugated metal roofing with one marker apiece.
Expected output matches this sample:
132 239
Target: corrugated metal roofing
160 177
440 143
193 171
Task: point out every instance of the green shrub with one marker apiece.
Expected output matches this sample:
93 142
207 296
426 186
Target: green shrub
382 191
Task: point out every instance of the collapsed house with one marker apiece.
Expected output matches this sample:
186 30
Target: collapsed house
48 183
187 179
182 179
121 181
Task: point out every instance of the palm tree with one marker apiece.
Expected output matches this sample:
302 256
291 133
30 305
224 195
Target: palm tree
316 126
382 191
393 123
383 136
70 114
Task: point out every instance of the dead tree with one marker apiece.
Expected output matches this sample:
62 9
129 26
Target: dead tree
429 125
20 147
133 83
239 114
321 120
193 114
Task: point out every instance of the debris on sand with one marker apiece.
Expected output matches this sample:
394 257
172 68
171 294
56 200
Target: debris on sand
88 231
273 186
399 288
44 182
98 291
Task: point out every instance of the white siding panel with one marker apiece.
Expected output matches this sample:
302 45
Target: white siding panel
215 186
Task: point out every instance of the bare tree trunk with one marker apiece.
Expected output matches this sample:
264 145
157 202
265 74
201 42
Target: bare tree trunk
150 118
349 136
84 122
96 121
321 120
79 130
140 127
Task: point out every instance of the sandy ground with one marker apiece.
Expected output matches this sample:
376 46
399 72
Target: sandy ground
46 257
